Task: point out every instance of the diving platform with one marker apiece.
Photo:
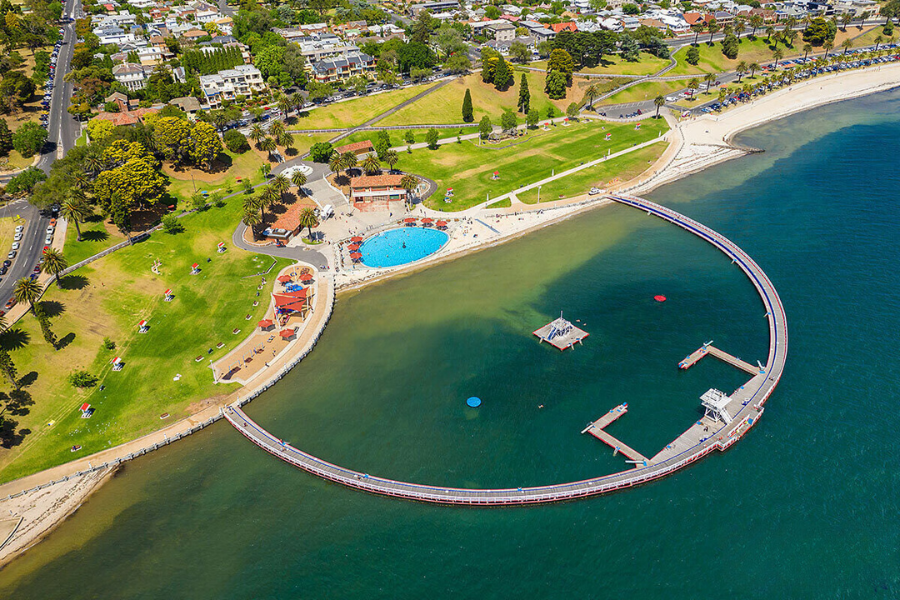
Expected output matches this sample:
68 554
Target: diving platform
708 349
596 430
561 334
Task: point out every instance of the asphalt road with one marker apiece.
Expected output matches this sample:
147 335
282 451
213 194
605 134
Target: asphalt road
62 131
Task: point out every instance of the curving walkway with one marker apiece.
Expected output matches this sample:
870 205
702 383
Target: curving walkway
747 406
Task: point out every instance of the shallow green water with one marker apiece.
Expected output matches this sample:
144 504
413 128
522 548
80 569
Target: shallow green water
804 507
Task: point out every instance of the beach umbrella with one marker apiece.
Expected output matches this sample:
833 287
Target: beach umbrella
353 247
306 277
356 238
427 221
285 279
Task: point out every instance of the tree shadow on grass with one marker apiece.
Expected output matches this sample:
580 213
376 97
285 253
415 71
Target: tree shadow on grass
94 235
65 341
73 282
28 379
95 218
14 339
17 402
9 437
291 151
53 308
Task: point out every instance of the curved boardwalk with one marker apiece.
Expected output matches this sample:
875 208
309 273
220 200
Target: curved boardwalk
749 400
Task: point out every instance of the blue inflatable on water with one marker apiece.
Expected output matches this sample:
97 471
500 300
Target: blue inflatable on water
474 402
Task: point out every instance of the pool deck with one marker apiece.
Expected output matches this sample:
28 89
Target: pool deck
699 440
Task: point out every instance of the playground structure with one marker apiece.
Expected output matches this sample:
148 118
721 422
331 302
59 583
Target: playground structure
289 310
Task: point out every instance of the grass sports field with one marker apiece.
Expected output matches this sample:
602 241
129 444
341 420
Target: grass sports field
107 299
623 168
468 167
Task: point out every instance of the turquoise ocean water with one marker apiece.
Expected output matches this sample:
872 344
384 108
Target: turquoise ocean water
804 507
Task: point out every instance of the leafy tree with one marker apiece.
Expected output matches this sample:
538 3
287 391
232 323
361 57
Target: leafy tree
556 85
502 75
134 183
730 46
270 60
82 379
236 141
25 181
99 129
561 62
532 118
458 63
321 152
485 127
8 367
508 121
432 138
467 109
572 110
29 139
382 143
416 55
551 111
6 141
519 52
171 224
15 91
205 144
409 137
172 137
524 95
819 31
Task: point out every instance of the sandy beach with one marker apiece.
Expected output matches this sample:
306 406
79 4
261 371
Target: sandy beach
694 145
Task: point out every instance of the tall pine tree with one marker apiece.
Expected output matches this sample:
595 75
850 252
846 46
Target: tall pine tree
524 96
5 138
502 76
467 110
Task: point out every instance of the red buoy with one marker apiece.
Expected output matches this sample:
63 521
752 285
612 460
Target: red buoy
659 298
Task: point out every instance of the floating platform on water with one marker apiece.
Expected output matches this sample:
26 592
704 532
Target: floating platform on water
708 349
561 333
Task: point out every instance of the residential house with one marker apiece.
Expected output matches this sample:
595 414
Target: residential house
132 75
502 31
433 7
242 80
342 68
567 26
357 148
188 104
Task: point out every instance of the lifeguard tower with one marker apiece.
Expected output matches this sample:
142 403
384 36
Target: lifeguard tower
714 403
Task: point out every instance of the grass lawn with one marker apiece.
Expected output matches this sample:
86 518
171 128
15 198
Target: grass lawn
223 177
357 111
15 161
866 39
644 91
616 65
468 167
96 236
713 61
445 105
107 299
7 231
622 168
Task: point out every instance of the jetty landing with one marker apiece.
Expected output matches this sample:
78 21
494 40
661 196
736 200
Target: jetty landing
710 350
596 430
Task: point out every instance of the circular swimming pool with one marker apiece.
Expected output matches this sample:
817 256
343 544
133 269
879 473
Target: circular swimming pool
400 246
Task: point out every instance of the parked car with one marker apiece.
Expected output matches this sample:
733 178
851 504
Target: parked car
15 246
10 303
594 191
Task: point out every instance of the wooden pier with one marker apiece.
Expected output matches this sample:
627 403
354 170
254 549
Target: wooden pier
701 438
709 350
596 430
561 334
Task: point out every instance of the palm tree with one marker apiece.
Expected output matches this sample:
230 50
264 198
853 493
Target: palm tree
286 140
276 129
27 290
828 46
846 44
54 263
349 160
708 79
693 85
81 181
409 183
269 145
336 163
712 28
756 21
281 184
391 157
371 164
298 179
697 28
592 92
807 48
93 163
789 36
308 219
878 41
285 105
846 19
789 23
738 26
219 120
754 67
267 197
257 133
770 31
658 102
741 69
252 219
297 101
777 55
74 211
